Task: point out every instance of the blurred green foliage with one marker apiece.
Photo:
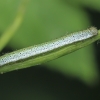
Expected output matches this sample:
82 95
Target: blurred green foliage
45 20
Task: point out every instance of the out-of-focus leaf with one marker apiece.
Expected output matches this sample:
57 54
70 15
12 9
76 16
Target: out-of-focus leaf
8 10
11 30
47 20
94 4
80 64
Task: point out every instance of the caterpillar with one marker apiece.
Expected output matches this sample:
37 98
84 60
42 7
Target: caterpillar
47 51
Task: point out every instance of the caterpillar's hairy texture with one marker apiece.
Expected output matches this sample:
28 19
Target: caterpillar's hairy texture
45 48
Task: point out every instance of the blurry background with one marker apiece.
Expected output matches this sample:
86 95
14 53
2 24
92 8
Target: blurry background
71 77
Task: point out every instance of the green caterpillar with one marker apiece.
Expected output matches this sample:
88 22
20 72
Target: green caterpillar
44 52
